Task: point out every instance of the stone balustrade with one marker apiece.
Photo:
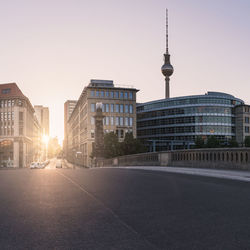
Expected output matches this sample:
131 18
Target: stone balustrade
221 158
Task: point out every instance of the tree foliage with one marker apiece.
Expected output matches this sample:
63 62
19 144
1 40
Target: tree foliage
247 141
111 145
233 143
199 142
130 145
212 142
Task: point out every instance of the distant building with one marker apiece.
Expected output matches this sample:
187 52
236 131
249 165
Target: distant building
119 109
42 114
242 123
175 123
69 106
20 131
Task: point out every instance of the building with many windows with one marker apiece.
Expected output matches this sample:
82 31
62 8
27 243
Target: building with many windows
69 106
20 131
42 114
175 123
119 109
242 123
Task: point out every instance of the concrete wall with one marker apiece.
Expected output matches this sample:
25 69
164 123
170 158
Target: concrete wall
220 158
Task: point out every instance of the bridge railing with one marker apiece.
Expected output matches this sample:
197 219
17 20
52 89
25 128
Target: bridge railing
227 158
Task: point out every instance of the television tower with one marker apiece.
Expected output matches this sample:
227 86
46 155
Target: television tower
167 69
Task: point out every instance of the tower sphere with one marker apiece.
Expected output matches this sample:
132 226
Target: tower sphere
167 69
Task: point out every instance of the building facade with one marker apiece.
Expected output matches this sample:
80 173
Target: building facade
175 123
42 114
69 106
119 109
242 123
20 131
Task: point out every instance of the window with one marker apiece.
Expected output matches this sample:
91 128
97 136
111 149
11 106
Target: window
126 121
5 91
106 94
121 95
20 130
92 133
107 107
92 120
117 108
130 95
131 121
112 120
121 121
117 121
126 108
97 93
126 95
130 108
246 129
92 107
111 94
102 93
116 94
246 119
107 120
92 93
121 108
20 116
111 108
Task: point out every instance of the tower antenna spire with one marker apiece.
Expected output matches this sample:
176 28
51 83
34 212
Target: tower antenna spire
167 69
166 31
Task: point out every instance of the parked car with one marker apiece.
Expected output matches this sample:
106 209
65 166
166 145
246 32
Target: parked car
58 164
34 165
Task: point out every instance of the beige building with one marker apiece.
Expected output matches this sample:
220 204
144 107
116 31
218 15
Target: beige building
242 123
20 131
42 114
69 106
119 109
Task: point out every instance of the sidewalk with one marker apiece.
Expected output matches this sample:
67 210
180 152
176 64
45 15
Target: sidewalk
225 174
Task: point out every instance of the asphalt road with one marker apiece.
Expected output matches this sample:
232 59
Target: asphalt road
121 209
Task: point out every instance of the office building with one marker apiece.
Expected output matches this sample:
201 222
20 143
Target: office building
175 123
69 106
42 114
119 109
242 123
20 131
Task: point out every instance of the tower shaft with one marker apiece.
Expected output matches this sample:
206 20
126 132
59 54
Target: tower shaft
167 91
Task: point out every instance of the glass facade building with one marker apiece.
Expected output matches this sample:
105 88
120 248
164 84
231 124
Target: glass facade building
174 123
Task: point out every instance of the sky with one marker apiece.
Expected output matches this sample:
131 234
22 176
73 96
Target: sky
52 48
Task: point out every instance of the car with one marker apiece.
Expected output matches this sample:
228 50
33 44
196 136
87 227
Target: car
42 165
34 165
58 164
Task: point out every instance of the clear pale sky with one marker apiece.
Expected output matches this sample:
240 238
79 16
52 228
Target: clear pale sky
52 48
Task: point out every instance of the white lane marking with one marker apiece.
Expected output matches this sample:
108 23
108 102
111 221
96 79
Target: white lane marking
107 208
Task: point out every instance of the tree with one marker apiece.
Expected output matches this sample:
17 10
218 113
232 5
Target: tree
212 142
233 143
199 142
111 145
130 145
247 141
